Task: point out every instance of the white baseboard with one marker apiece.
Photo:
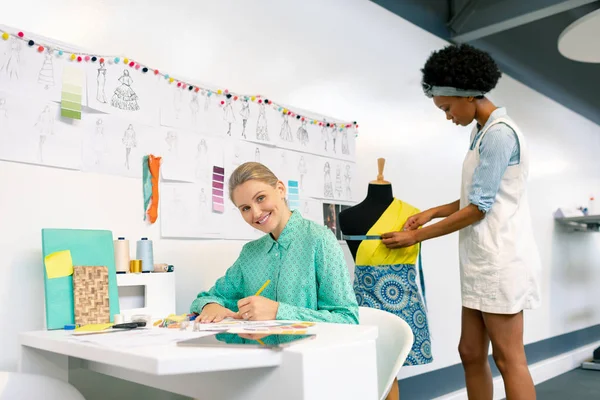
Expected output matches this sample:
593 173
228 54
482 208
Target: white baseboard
540 372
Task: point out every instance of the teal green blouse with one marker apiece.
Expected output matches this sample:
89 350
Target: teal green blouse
308 274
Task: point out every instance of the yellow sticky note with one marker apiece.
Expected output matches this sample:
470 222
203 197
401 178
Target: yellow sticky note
93 327
59 264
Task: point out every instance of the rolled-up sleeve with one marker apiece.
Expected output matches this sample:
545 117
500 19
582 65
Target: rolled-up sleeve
497 148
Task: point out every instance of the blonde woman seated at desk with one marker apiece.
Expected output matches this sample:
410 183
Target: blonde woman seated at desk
302 259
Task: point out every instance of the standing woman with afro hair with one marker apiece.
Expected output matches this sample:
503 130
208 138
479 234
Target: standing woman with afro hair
499 261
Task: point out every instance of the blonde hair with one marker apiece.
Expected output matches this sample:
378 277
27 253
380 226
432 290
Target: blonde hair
251 171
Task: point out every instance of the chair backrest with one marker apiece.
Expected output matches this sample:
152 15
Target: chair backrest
393 345
17 386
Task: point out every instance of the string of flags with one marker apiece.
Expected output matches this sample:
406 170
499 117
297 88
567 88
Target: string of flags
177 83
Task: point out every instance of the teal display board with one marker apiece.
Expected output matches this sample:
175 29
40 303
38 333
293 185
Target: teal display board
88 248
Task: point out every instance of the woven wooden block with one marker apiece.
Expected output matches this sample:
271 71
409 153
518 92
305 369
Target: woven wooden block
90 295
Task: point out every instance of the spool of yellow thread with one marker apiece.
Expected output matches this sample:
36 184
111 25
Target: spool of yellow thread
135 266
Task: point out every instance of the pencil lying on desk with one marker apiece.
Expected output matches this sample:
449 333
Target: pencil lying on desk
263 287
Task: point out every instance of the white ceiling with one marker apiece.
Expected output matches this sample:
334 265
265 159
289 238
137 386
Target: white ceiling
580 41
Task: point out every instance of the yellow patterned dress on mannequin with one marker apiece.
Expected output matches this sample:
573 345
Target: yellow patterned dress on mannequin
386 279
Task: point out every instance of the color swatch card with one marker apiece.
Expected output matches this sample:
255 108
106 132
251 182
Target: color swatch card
72 92
218 185
293 195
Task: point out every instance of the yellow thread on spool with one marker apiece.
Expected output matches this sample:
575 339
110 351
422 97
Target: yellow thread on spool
135 266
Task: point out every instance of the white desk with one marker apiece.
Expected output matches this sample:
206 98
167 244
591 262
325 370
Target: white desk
339 364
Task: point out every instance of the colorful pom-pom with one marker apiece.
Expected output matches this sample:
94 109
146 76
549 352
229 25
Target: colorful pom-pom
40 48
5 36
145 69
117 59
155 72
126 61
21 34
73 57
31 43
79 59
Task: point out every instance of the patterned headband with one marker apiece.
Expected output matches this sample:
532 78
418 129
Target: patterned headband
449 91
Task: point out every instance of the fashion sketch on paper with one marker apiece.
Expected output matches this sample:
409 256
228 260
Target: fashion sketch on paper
45 127
257 155
302 134
302 170
129 141
345 148
194 108
171 140
101 83
261 126
325 136
347 182
202 170
338 181
228 115
245 113
203 203
124 96
12 59
334 134
98 141
46 74
286 131
328 186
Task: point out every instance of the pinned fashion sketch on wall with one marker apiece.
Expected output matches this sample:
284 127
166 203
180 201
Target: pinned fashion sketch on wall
228 114
347 182
129 141
333 135
207 96
46 74
325 136
171 140
327 186
345 148
286 131
257 155
177 102
202 164
302 171
45 126
204 206
12 60
194 108
98 142
261 126
302 134
245 114
124 97
101 84
338 181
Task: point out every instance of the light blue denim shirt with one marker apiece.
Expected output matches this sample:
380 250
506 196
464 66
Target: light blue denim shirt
498 149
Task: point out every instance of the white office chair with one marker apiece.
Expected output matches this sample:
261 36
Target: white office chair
393 345
17 386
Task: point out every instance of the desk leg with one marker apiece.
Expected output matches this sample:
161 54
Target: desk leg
41 362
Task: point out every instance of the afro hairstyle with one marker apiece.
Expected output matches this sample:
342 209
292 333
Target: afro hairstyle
461 66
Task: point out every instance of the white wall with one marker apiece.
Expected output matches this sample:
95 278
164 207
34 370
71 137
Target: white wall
347 58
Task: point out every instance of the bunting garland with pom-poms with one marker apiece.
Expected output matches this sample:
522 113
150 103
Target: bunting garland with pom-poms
177 84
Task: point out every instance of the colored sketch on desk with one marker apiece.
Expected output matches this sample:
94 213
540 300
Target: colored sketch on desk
281 328
230 323
218 189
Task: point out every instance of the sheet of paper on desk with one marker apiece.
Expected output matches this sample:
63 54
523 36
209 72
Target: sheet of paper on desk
230 323
139 338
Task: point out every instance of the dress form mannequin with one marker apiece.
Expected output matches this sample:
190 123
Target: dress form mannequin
386 278
359 219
